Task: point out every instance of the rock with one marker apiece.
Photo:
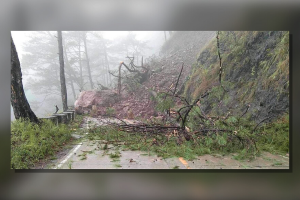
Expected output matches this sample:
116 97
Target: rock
94 107
125 109
79 110
88 100
130 115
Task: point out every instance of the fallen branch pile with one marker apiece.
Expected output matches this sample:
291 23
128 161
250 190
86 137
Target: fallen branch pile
162 133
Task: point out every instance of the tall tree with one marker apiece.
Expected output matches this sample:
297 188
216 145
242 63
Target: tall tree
18 99
107 65
87 59
80 64
62 72
68 66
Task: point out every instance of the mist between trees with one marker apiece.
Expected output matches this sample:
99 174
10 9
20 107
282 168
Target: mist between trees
89 56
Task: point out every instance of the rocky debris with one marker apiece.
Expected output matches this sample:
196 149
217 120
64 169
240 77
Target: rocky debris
164 72
89 100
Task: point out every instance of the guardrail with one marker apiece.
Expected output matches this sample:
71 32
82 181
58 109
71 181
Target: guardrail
64 117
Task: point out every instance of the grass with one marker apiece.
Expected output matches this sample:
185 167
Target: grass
70 164
53 158
245 166
115 155
32 143
277 164
84 154
274 137
104 147
115 160
117 165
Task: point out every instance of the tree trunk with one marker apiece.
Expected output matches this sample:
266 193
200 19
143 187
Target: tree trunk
18 99
119 80
69 69
165 36
62 72
73 90
87 61
170 33
107 64
80 66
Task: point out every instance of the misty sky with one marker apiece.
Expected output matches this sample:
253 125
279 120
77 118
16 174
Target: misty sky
21 37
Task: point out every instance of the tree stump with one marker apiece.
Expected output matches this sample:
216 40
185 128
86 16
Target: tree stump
62 118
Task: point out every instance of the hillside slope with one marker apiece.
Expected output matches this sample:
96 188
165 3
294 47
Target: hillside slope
255 72
181 47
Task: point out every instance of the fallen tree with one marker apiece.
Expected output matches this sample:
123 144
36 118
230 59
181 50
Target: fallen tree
140 73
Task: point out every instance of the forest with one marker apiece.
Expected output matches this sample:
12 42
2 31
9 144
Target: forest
150 100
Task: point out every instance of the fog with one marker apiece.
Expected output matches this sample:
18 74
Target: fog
38 55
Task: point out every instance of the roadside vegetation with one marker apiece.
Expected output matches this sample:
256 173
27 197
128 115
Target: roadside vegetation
32 143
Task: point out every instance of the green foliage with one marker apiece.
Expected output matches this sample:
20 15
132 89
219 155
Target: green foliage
221 140
110 111
242 155
274 137
253 71
193 120
133 82
70 165
118 165
31 142
164 102
115 155
77 121
231 120
216 93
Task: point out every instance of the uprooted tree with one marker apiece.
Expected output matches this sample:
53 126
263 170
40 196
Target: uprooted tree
140 73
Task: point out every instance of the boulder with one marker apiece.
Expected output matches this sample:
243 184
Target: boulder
94 99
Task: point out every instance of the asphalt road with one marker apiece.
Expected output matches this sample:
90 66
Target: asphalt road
89 154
